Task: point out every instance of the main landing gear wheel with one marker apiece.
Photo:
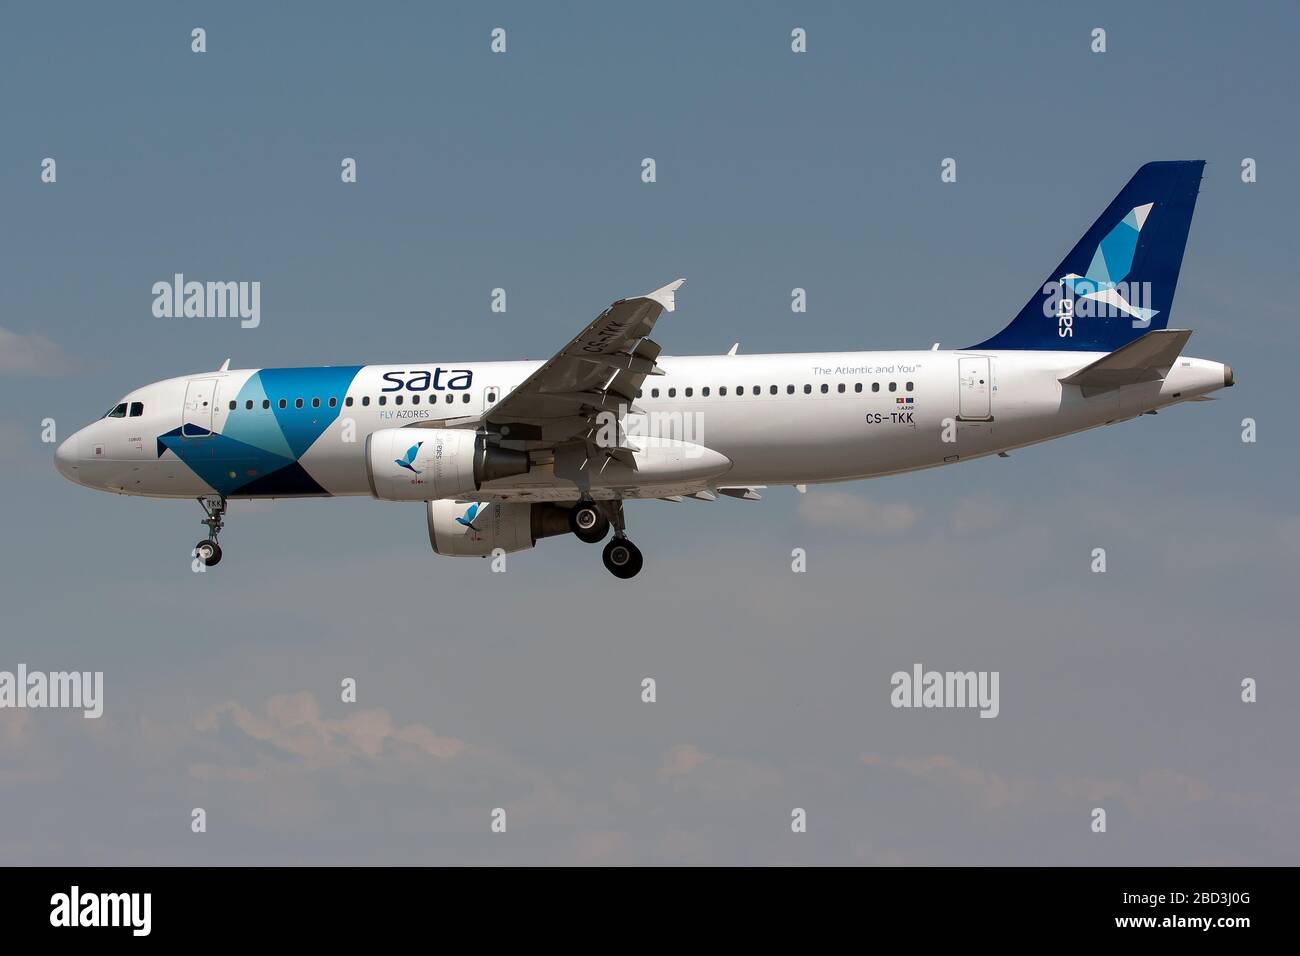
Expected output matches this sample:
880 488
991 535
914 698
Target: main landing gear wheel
588 523
622 558
208 551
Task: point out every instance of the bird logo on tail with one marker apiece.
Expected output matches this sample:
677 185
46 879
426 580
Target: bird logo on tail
1110 267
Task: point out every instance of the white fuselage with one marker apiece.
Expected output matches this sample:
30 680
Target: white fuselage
777 418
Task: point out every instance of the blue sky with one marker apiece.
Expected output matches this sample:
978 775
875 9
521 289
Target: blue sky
522 171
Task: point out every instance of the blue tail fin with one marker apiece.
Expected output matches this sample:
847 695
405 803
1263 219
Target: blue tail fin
1118 283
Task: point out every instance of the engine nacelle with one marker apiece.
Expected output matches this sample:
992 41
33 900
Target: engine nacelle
420 464
477 529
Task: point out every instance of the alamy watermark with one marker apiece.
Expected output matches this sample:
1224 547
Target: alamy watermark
208 300
76 690
922 688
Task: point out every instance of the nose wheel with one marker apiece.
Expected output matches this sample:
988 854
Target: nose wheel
207 550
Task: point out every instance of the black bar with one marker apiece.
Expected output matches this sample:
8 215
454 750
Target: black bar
369 905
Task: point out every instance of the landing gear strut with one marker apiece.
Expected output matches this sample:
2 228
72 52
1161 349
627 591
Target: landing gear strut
622 558
207 550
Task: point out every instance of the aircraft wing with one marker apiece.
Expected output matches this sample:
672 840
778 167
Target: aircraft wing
601 369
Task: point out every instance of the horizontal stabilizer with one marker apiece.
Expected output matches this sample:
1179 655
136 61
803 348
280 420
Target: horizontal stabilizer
1147 359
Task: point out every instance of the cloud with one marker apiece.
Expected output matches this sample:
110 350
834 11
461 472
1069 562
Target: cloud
994 790
597 846
681 760
293 726
31 354
1154 792
850 512
15 729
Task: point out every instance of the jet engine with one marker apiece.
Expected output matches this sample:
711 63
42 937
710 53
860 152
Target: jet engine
420 464
476 529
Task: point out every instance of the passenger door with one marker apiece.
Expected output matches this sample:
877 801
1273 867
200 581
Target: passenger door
196 420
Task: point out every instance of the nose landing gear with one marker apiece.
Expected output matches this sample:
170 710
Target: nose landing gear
207 550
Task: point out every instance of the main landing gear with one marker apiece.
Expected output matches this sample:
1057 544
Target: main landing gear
590 522
207 550
622 558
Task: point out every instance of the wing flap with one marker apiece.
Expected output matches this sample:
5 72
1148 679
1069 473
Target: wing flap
601 369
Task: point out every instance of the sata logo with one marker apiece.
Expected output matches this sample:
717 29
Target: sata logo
422 380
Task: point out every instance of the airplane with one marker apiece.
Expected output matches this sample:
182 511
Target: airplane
503 454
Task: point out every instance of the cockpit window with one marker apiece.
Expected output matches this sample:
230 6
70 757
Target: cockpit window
137 409
118 411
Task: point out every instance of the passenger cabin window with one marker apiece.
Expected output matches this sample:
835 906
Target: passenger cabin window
909 386
705 391
266 403
893 386
654 393
857 387
722 391
383 399
283 403
333 402
463 398
232 405
789 389
297 403
137 409
365 400
415 399
875 386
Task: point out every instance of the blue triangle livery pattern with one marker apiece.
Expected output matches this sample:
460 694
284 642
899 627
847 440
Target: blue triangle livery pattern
259 452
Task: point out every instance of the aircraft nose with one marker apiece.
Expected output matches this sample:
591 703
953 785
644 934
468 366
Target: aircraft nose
66 459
